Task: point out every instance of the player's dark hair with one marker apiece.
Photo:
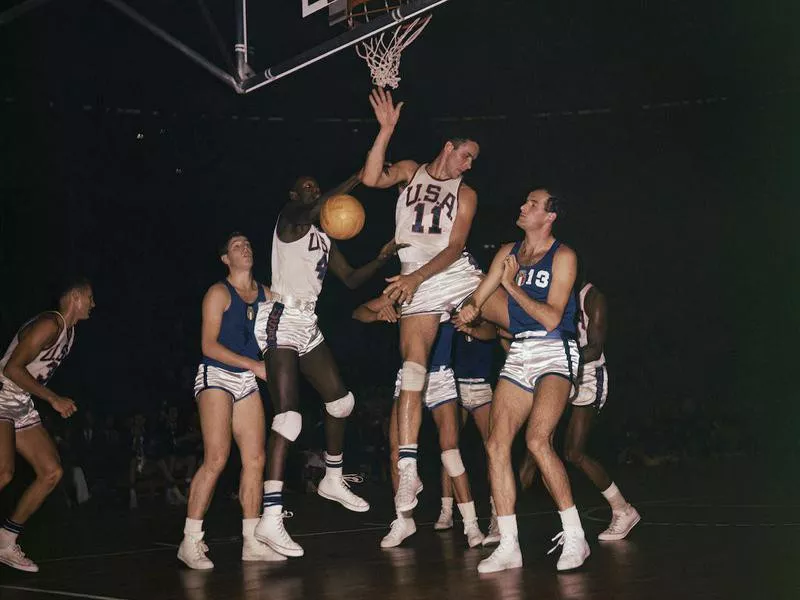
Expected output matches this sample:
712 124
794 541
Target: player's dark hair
223 248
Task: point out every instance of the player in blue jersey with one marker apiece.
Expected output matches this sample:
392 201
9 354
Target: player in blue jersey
537 379
439 395
229 403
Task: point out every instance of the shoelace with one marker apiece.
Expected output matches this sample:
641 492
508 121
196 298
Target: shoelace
17 551
407 477
200 548
287 514
616 517
568 541
559 540
394 528
353 478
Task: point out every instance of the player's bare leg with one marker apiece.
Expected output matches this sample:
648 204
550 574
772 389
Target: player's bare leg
481 415
403 526
549 401
319 367
417 334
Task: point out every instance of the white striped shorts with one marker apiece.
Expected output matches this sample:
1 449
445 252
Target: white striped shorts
440 387
16 406
530 359
281 326
473 395
445 291
592 386
238 385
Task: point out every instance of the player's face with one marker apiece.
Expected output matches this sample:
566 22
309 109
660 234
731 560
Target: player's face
306 190
460 159
240 253
532 214
84 301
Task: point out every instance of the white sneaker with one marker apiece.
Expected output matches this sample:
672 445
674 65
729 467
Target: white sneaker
192 552
408 488
493 535
575 551
271 531
255 551
400 530
14 557
337 489
473 533
621 524
506 556
445 520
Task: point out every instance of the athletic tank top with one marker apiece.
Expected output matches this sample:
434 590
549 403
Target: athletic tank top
424 217
535 281
472 359
45 363
299 267
583 324
237 330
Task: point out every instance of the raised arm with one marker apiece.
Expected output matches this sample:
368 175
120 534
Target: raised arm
596 309
353 278
38 336
215 303
375 174
547 313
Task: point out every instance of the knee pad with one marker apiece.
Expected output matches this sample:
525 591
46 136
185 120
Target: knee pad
451 459
342 407
288 424
414 377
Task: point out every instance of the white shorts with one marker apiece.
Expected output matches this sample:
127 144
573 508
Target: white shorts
532 358
238 385
474 394
440 387
445 291
281 326
592 386
16 406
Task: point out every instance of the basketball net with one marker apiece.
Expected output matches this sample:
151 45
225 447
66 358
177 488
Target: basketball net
382 52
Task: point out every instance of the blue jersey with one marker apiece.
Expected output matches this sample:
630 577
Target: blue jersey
535 281
442 352
237 330
472 359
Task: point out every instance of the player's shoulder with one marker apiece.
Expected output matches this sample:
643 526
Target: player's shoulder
467 192
45 326
406 169
565 252
218 292
506 248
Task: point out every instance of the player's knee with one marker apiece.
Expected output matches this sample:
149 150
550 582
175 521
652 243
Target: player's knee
254 462
52 475
413 377
288 424
539 444
574 455
215 461
497 449
342 407
451 459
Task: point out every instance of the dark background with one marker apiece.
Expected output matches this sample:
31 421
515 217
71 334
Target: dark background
670 127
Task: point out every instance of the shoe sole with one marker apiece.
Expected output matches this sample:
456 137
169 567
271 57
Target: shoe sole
620 536
256 559
280 549
442 527
184 561
562 569
352 507
513 565
34 569
487 541
401 541
412 505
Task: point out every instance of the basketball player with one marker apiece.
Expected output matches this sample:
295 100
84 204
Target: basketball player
434 215
36 351
229 403
291 343
590 398
440 397
538 274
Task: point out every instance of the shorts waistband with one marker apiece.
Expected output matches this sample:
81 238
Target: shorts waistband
293 302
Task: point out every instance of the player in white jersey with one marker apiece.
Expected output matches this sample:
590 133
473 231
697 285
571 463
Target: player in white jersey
434 215
291 342
30 360
229 404
586 403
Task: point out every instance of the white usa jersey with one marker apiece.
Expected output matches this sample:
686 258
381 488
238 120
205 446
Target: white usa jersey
298 268
425 213
583 323
45 363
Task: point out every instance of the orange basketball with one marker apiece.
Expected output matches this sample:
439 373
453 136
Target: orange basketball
342 217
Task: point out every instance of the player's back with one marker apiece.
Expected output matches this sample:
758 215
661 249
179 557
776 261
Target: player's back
299 267
583 323
535 281
424 217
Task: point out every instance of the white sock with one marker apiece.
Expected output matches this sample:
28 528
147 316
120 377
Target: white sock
447 503
507 524
615 498
272 485
333 464
249 528
408 456
467 510
570 519
193 527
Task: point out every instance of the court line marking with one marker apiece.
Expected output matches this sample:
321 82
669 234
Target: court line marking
58 592
105 555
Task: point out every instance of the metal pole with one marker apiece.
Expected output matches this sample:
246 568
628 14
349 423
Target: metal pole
350 38
240 48
175 43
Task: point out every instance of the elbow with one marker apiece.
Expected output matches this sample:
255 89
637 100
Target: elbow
367 179
351 284
207 348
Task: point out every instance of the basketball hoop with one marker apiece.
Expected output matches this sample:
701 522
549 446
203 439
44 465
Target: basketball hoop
382 52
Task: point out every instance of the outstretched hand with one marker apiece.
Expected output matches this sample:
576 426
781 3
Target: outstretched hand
463 319
401 288
390 249
386 112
